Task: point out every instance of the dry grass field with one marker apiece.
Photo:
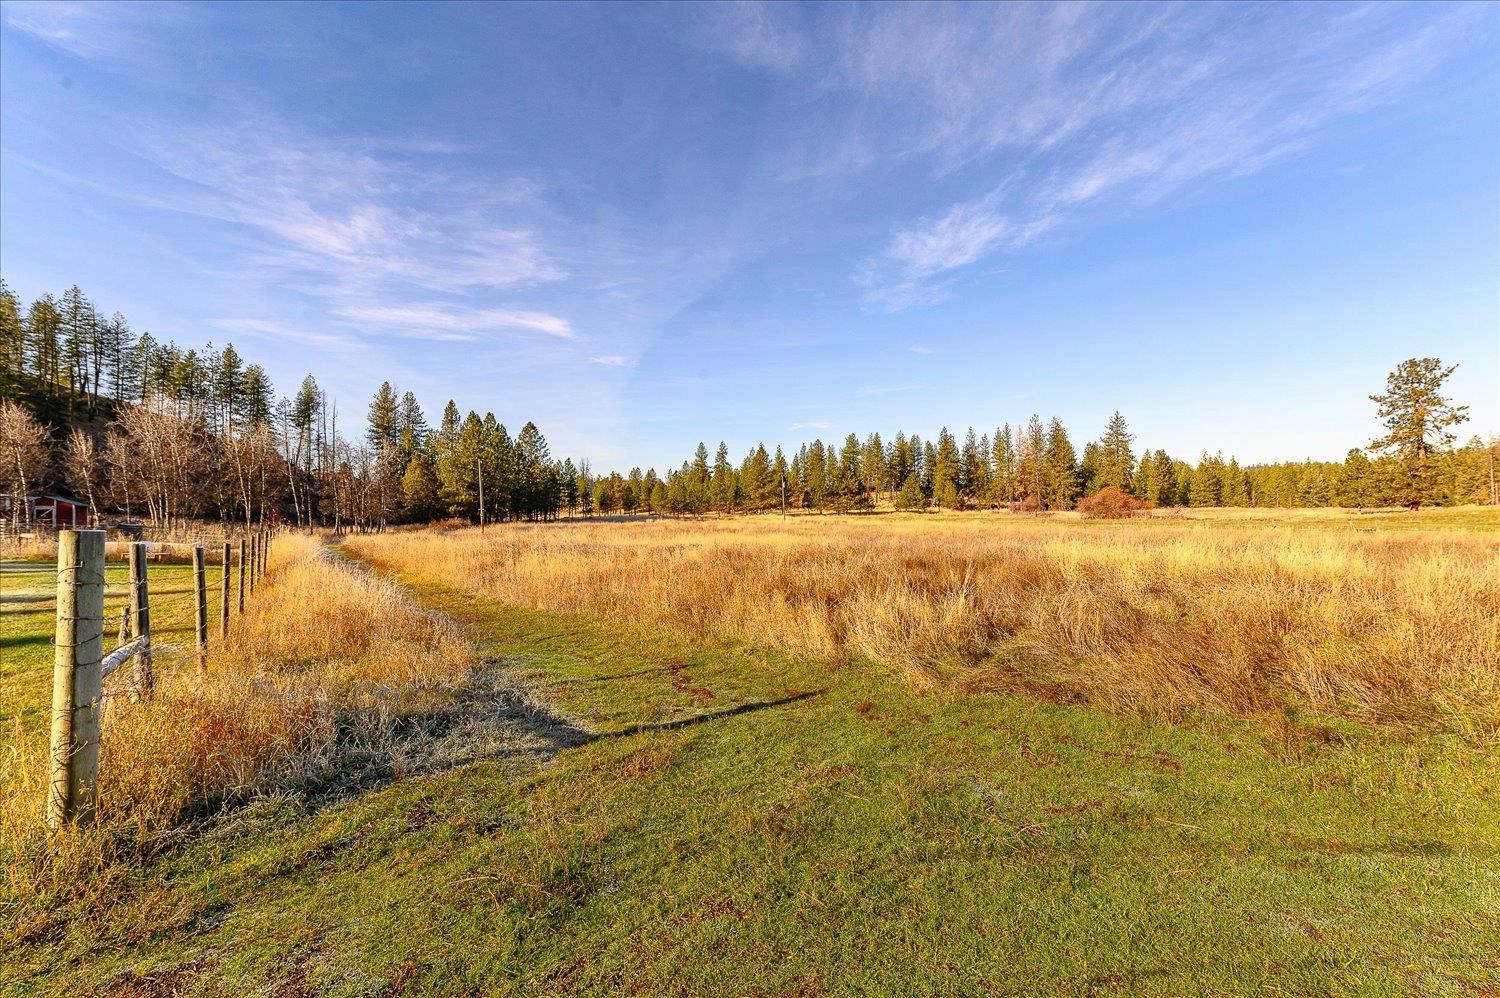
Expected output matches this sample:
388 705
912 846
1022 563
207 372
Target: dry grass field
1234 613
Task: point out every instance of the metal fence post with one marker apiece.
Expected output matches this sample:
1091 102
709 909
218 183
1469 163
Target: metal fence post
224 595
140 620
200 606
76 681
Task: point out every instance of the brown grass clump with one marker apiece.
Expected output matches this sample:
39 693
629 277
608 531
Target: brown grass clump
1149 617
325 662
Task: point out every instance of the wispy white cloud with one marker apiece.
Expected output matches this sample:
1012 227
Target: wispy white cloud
453 322
612 360
356 213
281 330
918 349
107 32
754 33
1082 107
811 424
369 227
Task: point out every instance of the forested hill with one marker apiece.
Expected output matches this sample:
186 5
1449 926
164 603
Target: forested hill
143 427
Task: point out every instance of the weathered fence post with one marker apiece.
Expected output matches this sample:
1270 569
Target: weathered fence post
242 576
200 605
224 596
265 550
78 651
254 561
140 620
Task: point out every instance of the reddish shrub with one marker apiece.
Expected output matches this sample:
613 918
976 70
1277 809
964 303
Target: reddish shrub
1111 504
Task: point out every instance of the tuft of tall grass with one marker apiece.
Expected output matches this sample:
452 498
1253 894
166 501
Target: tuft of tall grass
1143 617
325 663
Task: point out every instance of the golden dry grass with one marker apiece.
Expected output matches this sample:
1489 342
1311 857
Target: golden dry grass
325 657
1153 617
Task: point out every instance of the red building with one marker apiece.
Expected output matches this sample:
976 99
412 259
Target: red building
57 512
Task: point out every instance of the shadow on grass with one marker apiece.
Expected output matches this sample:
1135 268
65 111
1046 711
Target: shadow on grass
489 719
713 715
591 680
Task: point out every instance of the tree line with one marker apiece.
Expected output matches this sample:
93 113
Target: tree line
143 428
1035 466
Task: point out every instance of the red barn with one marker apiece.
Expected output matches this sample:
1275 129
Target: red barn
59 512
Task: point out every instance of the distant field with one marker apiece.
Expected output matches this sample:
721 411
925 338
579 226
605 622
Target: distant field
1243 611
638 781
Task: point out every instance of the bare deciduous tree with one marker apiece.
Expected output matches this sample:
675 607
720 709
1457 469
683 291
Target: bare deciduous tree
81 468
23 446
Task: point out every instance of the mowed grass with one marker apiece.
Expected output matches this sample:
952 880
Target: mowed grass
28 593
737 819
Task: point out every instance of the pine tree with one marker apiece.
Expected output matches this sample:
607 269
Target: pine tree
584 487
1003 460
1355 482
724 487
1061 468
849 489
1154 483
411 425
497 462
756 478
1116 461
76 313
457 466
1235 491
255 396
304 418
228 379
815 476
901 463
43 336
384 429
1206 487
1417 419
911 496
12 344
1030 467
946 465
973 471
419 490
1089 469
533 467
874 472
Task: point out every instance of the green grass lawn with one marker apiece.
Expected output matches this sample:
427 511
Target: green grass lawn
28 592
736 821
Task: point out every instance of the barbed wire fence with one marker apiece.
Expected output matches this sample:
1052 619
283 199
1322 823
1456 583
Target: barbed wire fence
149 625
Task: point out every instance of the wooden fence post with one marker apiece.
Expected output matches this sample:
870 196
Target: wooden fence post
140 620
254 560
242 576
265 550
76 681
200 605
224 595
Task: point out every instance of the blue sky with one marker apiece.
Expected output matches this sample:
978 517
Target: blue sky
645 226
